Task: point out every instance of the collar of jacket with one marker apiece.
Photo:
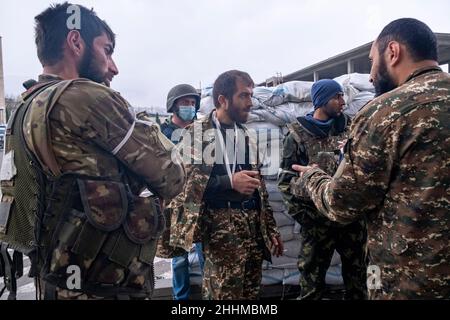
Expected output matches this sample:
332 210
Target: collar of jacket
202 172
43 80
422 71
339 125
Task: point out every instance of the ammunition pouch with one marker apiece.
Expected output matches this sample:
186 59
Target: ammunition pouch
112 239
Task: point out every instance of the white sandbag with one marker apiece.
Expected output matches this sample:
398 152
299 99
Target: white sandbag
334 276
272 187
360 81
272 276
275 196
207 91
354 107
292 248
277 206
349 93
297 229
283 219
206 105
284 262
269 115
285 113
287 233
296 109
270 177
263 93
252 117
291 277
298 89
260 125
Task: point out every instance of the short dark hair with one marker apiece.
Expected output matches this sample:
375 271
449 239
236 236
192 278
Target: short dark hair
51 31
225 84
414 34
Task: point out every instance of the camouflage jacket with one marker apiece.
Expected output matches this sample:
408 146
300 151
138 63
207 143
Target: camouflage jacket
396 173
86 134
302 145
189 208
82 139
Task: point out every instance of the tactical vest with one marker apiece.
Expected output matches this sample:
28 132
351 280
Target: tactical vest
321 151
98 225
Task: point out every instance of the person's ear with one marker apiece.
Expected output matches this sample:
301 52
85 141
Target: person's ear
394 53
75 43
223 101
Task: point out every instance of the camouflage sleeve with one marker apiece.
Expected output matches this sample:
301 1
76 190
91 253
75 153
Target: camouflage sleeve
105 120
360 183
292 155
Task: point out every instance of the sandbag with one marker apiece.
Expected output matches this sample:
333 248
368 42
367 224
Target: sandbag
272 276
283 219
292 248
360 81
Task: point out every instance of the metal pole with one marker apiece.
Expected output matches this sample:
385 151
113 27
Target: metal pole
2 87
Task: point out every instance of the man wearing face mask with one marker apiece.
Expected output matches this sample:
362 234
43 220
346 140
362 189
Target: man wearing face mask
314 139
183 101
224 203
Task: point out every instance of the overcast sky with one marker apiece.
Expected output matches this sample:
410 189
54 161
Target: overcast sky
164 43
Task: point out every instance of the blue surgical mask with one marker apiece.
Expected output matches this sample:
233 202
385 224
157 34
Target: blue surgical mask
187 113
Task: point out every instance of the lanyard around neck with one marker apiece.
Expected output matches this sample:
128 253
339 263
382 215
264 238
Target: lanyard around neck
225 153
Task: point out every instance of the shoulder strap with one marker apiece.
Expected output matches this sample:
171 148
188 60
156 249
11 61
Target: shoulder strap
43 150
298 132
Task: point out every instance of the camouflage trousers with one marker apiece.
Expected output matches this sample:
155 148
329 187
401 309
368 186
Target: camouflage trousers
233 249
318 244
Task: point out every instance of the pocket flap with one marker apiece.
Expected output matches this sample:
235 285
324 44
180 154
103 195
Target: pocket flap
105 203
145 221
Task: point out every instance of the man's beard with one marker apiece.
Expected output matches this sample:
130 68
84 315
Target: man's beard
384 82
88 67
331 113
234 114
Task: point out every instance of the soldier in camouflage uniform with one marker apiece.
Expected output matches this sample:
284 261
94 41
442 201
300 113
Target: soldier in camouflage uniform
315 139
97 158
183 101
226 209
396 168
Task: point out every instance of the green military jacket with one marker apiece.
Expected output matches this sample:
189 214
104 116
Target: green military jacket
188 207
99 158
396 174
302 145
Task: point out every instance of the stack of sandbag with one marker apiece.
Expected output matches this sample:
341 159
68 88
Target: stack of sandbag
282 104
358 91
206 102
